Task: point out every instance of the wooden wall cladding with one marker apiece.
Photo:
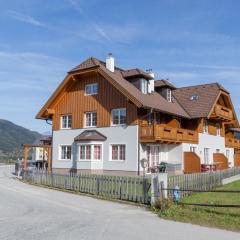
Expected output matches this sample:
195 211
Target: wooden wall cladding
192 162
221 160
237 160
73 101
212 128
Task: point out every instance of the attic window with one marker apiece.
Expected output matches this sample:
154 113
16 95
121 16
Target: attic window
194 97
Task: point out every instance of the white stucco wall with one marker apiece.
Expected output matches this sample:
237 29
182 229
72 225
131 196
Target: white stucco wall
174 154
213 143
127 135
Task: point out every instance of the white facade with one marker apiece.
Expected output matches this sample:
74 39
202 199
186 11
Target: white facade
37 154
126 135
135 151
175 152
214 144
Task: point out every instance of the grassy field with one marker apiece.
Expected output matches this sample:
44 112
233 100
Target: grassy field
224 218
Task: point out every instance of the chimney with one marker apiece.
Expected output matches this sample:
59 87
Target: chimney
151 81
110 62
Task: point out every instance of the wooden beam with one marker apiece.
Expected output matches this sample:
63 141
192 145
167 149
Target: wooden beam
50 111
49 151
25 158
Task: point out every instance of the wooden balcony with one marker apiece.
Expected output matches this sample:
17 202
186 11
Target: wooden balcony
222 113
232 143
166 134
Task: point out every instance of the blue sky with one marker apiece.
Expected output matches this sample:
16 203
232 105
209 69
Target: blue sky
188 42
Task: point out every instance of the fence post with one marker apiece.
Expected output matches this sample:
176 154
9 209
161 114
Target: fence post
145 190
159 182
163 183
154 189
98 185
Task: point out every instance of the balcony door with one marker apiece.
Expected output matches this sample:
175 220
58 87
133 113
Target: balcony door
155 155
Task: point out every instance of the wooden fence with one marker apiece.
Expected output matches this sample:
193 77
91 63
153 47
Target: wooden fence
200 181
135 189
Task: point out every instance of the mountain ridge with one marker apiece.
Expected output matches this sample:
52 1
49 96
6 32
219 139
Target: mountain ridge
13 136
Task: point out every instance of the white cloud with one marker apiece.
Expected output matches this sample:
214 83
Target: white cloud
93 24
24 18
31 75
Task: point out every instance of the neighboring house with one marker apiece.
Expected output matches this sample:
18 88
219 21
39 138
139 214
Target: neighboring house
39 153
106 119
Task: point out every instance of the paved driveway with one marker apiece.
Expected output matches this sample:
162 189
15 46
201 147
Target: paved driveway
29 212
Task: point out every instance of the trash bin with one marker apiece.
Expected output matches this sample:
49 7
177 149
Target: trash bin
162 167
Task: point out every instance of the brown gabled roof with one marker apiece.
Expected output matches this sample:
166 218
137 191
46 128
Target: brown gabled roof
163 83
135 73
89 63
153 100
198 100
182 105
90 135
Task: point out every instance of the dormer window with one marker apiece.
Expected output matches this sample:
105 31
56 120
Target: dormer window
144 86
169 95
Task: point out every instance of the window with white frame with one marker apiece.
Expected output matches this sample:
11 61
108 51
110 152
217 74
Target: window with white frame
66 121
90 152
169 95
90 119
91 89
192 149
118 152
144 86
65 152
206 155
205 126
218 129
119 116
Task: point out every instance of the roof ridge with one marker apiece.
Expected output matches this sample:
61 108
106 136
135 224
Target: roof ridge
198 85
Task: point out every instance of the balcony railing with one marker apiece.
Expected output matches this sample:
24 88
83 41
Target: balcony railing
222 112
232 143
164 133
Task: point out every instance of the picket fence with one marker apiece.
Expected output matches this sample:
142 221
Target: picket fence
135 189
200 181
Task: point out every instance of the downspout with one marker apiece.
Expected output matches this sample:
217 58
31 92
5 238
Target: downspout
138 172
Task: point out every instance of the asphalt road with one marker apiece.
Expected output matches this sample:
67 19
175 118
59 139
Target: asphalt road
29 212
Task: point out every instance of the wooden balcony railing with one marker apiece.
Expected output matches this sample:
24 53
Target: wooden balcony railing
222 113
232 143
163 133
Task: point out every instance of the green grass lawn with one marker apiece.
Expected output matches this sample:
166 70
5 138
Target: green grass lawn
225 218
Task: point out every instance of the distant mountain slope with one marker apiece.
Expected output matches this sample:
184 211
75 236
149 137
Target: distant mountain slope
12 136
